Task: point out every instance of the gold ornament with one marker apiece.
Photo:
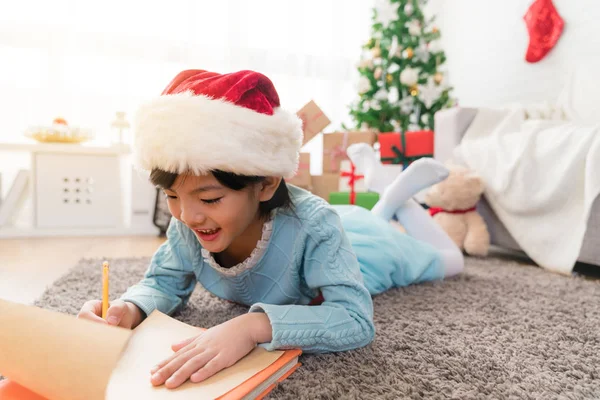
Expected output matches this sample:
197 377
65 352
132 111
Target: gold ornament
408 53
389 78
376 51
438 77
414 91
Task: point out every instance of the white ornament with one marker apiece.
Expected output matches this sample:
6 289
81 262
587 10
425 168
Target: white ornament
364 85
409 76
378 61
425 119
375 105
407 105
408 9
429 93
434 46
395 125
394 48
393 68
382 94
366 106
413 119
414 27
394 95
422 53
386 12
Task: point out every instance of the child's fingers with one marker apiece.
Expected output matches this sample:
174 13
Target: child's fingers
168 370
91 310
212 367
192 365
115 312
178 346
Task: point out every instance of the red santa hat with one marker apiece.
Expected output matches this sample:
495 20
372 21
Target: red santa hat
206 121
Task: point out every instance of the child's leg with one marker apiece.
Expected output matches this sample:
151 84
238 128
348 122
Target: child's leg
421 226
397 200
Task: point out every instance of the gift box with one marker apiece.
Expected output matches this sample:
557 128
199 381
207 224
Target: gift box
302 178
336 143
313 121
366 200
405 147
349 179
322 185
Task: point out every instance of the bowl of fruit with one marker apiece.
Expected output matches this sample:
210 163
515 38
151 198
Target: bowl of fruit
59 132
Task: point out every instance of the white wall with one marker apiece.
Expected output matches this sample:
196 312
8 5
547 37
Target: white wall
486 41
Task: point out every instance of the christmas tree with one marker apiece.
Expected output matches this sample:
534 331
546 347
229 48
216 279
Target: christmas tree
401 85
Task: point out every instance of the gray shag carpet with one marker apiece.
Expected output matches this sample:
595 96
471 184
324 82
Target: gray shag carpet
502 330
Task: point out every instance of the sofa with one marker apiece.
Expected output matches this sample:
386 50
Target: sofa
450 126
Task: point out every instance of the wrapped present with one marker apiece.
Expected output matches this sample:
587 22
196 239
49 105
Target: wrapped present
349 180
405 147
302 178
322 185
313 121
366 200
336 143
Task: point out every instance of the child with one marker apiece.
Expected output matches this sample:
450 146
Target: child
219 145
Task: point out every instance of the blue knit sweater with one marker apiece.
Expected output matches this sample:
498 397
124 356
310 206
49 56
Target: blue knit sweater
345 253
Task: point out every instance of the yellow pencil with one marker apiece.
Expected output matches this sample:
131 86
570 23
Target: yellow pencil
104 289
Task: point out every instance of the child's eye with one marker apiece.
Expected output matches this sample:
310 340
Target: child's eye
212 201
170 197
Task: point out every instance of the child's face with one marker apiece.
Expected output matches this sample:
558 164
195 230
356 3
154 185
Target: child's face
219 216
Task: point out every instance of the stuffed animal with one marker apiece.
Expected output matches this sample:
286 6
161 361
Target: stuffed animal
453 204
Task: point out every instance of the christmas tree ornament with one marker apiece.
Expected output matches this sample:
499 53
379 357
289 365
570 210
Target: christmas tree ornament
414 27
394 95
389 78
414 91
409 76
382 94
396 125
394 48
366 106
408 53
438 78
376 52
544 26
409 9
364 85
425 119
422 53
434 29
386 12
407 104
377 73
393 68
429 93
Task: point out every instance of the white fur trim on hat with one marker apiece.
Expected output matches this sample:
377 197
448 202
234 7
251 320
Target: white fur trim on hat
185 132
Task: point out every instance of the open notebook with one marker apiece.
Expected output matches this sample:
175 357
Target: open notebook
49 355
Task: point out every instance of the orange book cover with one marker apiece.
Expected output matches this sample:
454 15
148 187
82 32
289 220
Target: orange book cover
48 355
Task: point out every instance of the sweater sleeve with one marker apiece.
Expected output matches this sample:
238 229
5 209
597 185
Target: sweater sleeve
344 321
170 279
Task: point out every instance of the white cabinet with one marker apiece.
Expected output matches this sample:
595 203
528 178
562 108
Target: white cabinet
77 190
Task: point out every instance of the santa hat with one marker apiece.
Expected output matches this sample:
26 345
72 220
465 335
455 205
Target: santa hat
205 121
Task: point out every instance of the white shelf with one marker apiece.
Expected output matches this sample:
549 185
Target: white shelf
69 148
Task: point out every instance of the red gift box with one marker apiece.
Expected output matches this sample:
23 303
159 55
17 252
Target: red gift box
405 147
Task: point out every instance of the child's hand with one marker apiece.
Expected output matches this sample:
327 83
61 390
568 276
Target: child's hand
202 356
119 313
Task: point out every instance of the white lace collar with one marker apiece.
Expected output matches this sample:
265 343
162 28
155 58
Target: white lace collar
252 260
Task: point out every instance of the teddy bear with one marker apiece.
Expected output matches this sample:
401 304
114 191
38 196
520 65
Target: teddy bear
453 204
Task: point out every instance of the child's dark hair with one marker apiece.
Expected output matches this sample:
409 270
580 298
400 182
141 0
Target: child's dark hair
281 197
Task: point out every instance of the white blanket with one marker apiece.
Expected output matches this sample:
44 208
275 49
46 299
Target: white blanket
541 180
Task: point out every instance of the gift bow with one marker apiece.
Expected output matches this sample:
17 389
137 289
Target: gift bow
352 178
400 155
338 153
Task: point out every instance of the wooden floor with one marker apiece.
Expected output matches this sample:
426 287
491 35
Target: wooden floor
28 266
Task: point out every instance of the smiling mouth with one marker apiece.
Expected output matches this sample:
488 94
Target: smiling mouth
208 231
